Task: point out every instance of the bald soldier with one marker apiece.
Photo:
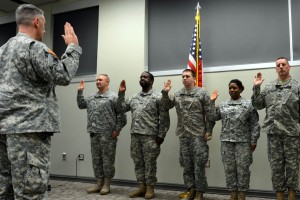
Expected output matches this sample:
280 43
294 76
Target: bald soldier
104 125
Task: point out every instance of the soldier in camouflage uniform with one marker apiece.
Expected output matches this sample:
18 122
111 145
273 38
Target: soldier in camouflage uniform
6 190
240 132
194 130
150 123
281 98
28 103
104 126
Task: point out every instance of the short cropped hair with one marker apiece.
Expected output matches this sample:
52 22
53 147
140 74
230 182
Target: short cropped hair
104 75
238 83
150 76
192 72
283 58
26 13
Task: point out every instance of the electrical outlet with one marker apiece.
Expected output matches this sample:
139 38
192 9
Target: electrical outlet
207 163
64 156
80 156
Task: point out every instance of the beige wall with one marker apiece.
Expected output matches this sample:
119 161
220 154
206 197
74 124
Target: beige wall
121 45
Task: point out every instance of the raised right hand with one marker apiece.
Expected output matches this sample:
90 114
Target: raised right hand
70 36
122 87
214 95
81 85
167 86
258 79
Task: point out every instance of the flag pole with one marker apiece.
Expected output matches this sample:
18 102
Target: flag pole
197 19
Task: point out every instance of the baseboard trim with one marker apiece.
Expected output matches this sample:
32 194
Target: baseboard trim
168 186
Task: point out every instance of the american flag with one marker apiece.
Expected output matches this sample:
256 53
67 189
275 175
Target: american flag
192 63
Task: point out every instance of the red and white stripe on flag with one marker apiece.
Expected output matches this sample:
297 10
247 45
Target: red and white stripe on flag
192 64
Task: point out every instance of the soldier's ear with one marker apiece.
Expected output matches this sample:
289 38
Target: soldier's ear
36 22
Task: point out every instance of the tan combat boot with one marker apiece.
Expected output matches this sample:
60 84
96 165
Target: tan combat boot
280 195
242 196
191 194
199 196
106 186
233 195
149 192
96 188
140 192
292 195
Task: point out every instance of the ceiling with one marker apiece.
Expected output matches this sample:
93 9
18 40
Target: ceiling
7 6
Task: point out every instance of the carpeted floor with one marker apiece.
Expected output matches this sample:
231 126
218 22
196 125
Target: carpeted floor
76 190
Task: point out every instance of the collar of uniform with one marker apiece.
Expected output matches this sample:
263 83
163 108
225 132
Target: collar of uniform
283 84
235 102
98 95
146 93
190 92
23 34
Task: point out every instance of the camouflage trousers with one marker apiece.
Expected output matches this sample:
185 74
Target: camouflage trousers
103 149
6 189
237 158
29 154
144 152
193 157
283 154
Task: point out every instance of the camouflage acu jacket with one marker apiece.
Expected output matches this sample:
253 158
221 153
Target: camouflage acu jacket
239 121
193 108
149 117
29 72
101 111
282 103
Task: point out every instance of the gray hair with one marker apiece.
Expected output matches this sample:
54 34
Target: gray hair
26 13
